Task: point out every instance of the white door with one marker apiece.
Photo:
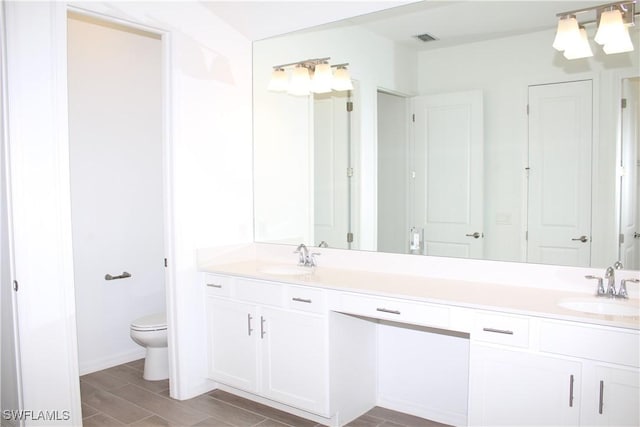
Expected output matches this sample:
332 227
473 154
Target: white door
560 139
294 359
233 330
630 180
511 388
448 147
331 150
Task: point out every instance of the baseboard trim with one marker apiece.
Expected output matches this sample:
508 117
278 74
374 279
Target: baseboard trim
110 361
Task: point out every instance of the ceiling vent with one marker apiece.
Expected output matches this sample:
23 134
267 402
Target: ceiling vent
425 37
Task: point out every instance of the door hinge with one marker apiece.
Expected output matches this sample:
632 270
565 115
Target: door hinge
413 118
349 106
166 264
349 237
621 239
527 109
15 285
526 235
623 103
349 172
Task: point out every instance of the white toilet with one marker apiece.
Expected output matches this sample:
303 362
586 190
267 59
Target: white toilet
151 332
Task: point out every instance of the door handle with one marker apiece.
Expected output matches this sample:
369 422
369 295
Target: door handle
583 239
636 235
475 235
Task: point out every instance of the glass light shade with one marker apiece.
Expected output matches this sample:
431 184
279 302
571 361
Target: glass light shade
322 79
580 49
619 42
567 34
609 26
300 81
278 82
342 79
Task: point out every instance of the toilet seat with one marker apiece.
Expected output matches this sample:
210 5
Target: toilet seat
152 322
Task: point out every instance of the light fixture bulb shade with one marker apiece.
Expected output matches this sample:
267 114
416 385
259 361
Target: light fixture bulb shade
342 79
620 42
300 81
322 78
567 33
278 82
609 27
582 49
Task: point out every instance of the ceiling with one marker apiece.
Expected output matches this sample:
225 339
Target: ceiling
451 22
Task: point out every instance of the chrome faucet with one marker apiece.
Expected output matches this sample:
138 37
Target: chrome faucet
304 258
611 282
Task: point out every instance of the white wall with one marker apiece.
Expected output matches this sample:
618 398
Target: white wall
503 69
115 144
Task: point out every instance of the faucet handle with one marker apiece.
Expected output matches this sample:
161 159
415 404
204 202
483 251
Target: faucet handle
313 262
622 292
600 289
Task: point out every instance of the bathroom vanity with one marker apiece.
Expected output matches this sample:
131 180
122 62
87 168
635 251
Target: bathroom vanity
330 343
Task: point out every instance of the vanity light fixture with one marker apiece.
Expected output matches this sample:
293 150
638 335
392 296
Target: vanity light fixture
613 21
310 76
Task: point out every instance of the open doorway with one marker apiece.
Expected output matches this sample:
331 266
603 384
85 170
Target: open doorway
116 144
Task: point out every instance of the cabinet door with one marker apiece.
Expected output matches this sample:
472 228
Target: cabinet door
295 359
612 396
233 333
514 388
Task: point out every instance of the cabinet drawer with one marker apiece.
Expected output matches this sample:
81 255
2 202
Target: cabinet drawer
306 299
501 329
591 342
218 285
259 292
394 309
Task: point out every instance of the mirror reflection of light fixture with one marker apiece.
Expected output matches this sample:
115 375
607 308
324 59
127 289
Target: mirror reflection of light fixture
613 19
580 48
279 81
342 78
310 76
300 81
567 33
322 77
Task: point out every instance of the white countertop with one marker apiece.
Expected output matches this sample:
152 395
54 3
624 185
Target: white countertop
478 295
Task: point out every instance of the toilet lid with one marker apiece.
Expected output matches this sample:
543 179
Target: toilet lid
152 322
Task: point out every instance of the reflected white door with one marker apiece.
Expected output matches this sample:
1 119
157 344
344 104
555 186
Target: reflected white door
630 180
448 147
331 163
560 138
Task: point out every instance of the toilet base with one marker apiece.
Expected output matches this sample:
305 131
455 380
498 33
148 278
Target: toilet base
156 364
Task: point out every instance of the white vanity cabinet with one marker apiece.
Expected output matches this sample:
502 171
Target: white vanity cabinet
544 372
261 344
510 385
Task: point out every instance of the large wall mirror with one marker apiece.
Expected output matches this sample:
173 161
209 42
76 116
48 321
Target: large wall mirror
484 143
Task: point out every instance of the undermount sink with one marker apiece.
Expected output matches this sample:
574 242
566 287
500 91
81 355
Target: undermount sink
286 270
596 305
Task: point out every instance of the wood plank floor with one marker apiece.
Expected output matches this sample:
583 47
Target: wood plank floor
119 396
